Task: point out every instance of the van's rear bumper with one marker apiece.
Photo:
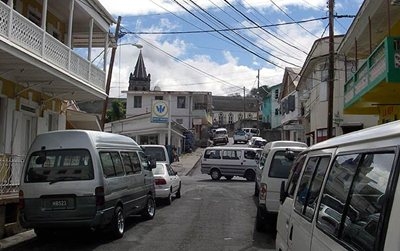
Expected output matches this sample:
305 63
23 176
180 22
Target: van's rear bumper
98 221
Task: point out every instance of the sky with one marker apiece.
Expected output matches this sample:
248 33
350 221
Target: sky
219 46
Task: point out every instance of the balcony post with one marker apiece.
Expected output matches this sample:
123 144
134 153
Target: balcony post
11 4
69 38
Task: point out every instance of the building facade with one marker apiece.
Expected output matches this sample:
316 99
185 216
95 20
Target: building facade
271 112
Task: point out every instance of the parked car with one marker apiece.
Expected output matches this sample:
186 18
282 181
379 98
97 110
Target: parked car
253 139
221 161
259 143
240 136
276 160
252 132
168 183
86 179
220 136
343 194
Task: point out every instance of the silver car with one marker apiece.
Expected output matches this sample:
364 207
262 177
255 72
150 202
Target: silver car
167 182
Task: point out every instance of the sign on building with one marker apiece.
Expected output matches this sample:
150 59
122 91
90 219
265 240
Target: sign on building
159 111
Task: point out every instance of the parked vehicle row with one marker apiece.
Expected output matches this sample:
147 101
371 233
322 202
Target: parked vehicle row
89 179
343 194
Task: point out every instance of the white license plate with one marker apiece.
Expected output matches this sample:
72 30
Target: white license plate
59 203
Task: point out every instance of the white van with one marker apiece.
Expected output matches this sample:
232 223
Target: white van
275 163
230 161
344 194
85 179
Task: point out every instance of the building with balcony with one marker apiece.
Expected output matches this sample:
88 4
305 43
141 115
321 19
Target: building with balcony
41 68
189 112
372 50
313 95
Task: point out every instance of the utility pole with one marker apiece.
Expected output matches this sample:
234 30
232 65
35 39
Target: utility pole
110 69
244 103
331 69
258 98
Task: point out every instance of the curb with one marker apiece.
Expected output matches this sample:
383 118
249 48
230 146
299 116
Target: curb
17 239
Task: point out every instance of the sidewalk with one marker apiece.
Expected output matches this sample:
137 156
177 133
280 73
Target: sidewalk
187 162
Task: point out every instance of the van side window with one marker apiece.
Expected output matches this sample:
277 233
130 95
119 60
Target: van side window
137 168
250 154
143 161
127 162
294 175
119 168
107 164
231 154
212 154
336 191
368 196
310 186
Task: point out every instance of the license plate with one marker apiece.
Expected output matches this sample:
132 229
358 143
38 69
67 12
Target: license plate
59 203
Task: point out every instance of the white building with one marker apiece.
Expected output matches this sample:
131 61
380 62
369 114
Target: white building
189 112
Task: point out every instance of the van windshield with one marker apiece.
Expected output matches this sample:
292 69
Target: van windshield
59 165
157 153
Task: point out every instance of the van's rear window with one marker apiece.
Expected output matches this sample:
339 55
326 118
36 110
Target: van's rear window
157 153
280 165
59 165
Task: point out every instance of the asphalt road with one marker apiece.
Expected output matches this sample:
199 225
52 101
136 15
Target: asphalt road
210 215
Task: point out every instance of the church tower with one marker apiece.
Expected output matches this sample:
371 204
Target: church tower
139 80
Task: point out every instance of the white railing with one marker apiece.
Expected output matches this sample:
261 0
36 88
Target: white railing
10 173
21 31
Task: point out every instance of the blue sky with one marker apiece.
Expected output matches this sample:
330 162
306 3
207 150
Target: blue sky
219 45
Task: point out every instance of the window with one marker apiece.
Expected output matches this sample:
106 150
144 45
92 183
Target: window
144 161
294 175
159 98
181 102
280 165
248 154
276 94
56 165
131 162
112 164
231 154
310 186
212 154
230 118
137 101
240 116
250 115
277 111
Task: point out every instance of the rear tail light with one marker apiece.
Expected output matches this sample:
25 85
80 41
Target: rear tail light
21 200
160 181
99 194
263 192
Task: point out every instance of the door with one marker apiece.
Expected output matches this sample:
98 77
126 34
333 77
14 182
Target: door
173 178
28 132
305 201
285 210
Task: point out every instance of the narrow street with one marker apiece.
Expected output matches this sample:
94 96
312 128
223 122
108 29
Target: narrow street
211 215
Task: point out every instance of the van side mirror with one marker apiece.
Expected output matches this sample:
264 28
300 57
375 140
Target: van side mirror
282 194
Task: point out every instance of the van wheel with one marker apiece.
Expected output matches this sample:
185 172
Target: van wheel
178 193
150 210
256 191
118 223
260 222
215 174
168 200
228 177
250 175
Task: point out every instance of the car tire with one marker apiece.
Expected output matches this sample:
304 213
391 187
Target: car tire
215 174
168 200
150 210
260 221
250 175
178 193
117 225
256 190
228 177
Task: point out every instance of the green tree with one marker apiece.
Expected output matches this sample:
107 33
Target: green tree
116 112
262 91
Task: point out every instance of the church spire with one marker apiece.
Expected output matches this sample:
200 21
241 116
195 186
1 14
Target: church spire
139 80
